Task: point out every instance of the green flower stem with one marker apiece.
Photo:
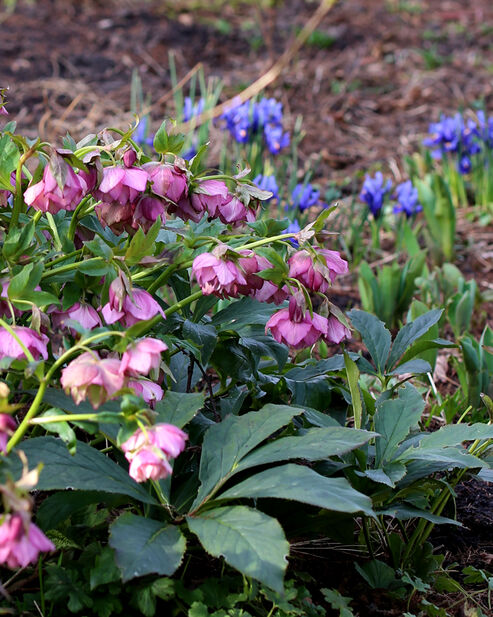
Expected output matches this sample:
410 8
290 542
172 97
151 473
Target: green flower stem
164 276
86 149
25 350
69 267
75 218
32 411
19 197
75 417
253 245
179 305
63 258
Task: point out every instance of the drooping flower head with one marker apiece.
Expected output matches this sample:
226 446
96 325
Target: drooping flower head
148 451
407 199
52 194
317 272
82 313
294 326
336 331
129 305
374 192
142 356
33 341
90 377
21 541
217 275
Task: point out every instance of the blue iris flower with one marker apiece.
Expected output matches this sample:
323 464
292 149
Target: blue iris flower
407 199
250 118
374 191
275 138
140 135
190 110
294 228
268 183
304 196
453 134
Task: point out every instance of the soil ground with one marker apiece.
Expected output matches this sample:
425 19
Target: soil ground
372 79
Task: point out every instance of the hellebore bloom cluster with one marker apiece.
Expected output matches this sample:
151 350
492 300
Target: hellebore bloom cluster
250 118
21 541
304 196
407 199
33 341
148 451
48 196
374 192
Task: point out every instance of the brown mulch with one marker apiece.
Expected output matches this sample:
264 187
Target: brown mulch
392 67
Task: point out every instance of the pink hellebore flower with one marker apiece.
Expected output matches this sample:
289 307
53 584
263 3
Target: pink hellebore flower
147 212
84 314
294 326
235 211
148 390
34 342
90 377
270 292
121 184
130 310
47 195
335 263
21 542
148 464
303 268
7 427
217 276
168 181
148 451
142 357
336 331
209 195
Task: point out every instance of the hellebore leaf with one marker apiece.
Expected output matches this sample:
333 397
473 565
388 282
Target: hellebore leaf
144 546
249 541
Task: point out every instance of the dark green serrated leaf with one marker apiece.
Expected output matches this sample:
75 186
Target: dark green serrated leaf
411 332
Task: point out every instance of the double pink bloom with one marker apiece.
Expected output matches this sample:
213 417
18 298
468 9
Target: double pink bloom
295 327
317 272
21 542
127 309
48 196
149 451
90 377
226 278
84 314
